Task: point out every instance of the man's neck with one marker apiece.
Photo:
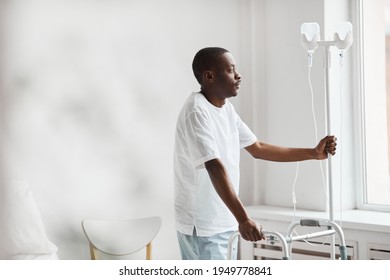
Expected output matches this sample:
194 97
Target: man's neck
216 101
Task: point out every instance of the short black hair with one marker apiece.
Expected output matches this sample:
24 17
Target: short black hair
205 59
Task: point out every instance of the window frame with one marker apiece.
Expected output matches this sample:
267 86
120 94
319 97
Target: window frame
361 112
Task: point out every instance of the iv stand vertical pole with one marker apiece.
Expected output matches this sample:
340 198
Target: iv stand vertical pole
329 131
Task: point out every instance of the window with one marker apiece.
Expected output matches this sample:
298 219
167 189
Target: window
387 43
373 58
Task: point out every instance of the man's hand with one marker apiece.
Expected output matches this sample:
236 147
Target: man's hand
251 231
326 146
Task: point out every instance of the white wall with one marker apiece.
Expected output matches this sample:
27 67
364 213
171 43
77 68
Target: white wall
92 91
289 120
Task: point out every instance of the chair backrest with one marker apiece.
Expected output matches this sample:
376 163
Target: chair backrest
121 237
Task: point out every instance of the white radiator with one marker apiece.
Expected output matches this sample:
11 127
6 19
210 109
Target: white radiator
378 251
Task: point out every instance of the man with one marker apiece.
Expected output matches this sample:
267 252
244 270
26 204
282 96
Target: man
209 136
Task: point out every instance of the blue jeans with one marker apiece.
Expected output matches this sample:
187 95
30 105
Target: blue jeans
193 247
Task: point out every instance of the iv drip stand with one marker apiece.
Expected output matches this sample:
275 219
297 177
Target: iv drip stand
327 65
310 39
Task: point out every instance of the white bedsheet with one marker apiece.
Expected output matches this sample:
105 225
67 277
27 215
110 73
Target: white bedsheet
24 237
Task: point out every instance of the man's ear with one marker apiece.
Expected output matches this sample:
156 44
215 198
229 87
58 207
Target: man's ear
208 76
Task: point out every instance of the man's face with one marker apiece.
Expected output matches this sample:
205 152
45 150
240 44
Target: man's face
226 78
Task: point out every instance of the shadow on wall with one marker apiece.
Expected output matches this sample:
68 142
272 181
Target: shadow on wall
82 122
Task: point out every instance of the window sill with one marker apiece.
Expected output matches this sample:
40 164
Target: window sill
351 219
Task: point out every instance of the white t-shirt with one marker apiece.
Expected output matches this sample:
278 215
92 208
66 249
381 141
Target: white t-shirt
206 132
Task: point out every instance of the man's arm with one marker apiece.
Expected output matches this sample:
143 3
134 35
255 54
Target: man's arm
283 154
221 182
